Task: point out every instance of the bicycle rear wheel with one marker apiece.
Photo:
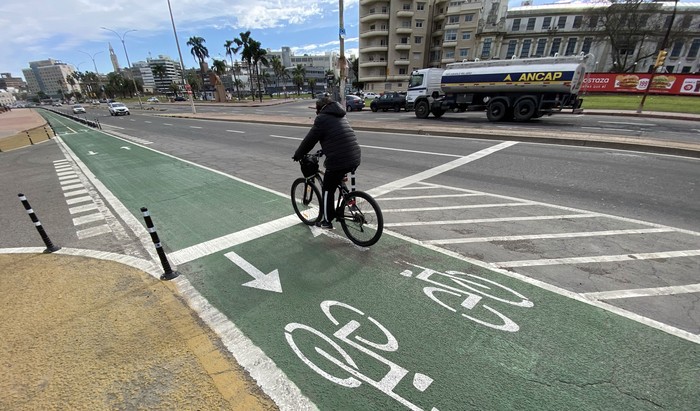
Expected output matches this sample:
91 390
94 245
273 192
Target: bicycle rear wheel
306 200
361 218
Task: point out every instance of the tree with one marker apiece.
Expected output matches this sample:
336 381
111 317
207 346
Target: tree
355 67
159 71
278 70
232 51
312 85
298 76
219 67
200 52
258 56
175 88
244 42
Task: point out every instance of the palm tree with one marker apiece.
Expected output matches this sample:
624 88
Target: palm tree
244 42
299 75
312 85
232 51
278 70
159 71
199 52
258 55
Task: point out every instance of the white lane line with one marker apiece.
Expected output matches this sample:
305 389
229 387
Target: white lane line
236 131
383 199
195 127
111 126
550 236
72 180
167 124
64 168
66 175
148 122
459 207
72 187
598 259
491 220
83 199
61 161
82 208
628 124
227 241
643 292
75 193
439 169
90 218
610 129
93 231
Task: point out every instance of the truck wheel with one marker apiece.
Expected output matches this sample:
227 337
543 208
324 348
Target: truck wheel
438 112
397 108
373 108
524 110
422 109
496 111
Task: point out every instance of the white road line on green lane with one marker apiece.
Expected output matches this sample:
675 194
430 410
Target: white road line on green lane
643 292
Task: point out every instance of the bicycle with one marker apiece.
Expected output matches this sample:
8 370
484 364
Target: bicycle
357 212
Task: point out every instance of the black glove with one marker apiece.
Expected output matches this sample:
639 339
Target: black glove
296 158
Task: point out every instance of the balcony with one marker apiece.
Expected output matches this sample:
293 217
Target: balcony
402 46
374 49
451 43
374 33
374 17
404 13
368 2
372 78
404 30
375 63
402 62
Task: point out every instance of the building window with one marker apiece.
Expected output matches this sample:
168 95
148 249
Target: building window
451 35
577 22
402 70
531 23
587 42
593 22
420 6
541 45
694 48
676 50
516 25
571 47
403 40
407 6
561 23
525 51
453 20
469 17
418 39
466 35
687 19
450 54
546 22
511 48
417 55
556 45
419 23
464 54
486 50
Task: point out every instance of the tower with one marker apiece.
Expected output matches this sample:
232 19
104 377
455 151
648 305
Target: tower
113 57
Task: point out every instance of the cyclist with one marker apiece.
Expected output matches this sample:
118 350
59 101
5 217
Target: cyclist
339 145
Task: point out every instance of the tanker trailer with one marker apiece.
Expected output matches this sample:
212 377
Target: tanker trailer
515 89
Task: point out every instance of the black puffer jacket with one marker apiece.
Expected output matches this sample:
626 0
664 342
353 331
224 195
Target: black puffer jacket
337 138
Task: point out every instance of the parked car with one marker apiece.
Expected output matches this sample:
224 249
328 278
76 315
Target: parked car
371 95
392 100
153 100
354 103
118 109
78 109
180 98
57 104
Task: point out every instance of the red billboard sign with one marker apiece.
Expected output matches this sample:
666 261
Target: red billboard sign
662 83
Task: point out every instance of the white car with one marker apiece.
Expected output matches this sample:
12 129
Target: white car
118 109
153 100
78 109
371 95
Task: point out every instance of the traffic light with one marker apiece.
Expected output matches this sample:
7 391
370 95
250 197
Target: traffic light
660 59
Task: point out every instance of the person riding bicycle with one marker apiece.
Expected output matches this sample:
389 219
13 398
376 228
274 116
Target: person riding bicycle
339 145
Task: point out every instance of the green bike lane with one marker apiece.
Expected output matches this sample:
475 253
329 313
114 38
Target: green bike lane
395 326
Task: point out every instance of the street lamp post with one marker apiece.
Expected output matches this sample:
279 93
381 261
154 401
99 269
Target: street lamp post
97 73
127 61
182 62
661 49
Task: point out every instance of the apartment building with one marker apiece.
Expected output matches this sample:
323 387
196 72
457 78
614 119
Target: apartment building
50 77
173 73
141 70
399 36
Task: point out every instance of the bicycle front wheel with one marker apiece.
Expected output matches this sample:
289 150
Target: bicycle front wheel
306 200
362 219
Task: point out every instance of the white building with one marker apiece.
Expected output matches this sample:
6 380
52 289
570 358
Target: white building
50 76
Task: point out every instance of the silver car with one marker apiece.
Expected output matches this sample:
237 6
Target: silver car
118 109
78 109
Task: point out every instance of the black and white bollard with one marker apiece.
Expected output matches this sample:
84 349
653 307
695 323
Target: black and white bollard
50 248
168 274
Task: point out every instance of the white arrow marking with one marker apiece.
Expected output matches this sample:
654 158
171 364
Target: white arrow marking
269 282
92 153
317 231
125 147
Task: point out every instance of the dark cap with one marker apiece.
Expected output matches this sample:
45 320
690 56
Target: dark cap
323 101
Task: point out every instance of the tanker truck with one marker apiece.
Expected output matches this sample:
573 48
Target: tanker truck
514 89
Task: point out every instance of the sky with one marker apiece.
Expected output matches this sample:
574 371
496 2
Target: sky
71 30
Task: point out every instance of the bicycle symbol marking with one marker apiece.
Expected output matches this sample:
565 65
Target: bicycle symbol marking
475 290
348 334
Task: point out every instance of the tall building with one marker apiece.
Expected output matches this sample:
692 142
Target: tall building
142 71
51 77
171 73
113 58
8 82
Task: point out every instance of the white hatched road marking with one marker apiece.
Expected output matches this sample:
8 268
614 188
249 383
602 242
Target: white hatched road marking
550 236
75 193
459 207
598 259
64 175
82 208
93 231
430 197
72 187
73 180
644 292
492 220
90 218
71 201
